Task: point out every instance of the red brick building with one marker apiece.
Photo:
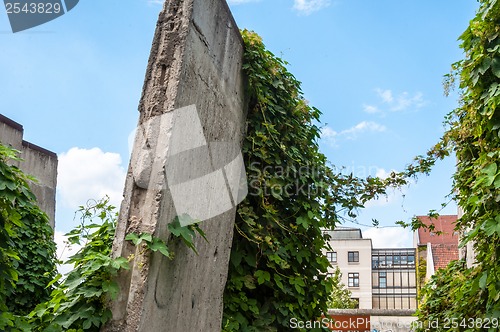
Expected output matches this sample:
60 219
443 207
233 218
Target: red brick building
438 246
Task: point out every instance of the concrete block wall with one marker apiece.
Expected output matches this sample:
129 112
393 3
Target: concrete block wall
196 59
37 161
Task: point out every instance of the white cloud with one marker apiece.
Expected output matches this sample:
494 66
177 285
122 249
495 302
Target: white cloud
85 174
383 174
395 103
393 195
386 95
371 109
405 101
327 132
331 136
362 127
394 237
307 7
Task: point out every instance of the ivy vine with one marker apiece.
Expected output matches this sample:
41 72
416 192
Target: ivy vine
461 292
277 267
27 252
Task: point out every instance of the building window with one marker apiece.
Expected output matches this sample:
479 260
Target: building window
353 256
353 279
382 279
388 261
395 259
331 256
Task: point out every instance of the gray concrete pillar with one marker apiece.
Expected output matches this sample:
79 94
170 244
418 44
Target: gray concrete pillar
193 103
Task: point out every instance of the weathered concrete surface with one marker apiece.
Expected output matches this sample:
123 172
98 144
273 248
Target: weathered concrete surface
195 59
38 162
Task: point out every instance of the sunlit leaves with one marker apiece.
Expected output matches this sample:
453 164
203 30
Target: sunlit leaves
276 259
27 251
78 300
461 292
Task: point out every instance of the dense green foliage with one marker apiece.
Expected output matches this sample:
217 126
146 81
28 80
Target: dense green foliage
27 252
452 303
78 302
36 266
460 292
277 267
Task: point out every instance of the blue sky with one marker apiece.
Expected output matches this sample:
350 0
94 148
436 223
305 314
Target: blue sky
374 68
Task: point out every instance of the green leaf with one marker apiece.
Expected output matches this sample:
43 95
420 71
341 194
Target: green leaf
112 288
485 65
483 280
201 232
249 282
138 239
56 279
495 66
262 276
183 232
146 237
496 182
277 280
490 169
303 222
132 237
492 226
159 245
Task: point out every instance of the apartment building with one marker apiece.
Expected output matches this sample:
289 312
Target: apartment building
394 279
352 255
377 278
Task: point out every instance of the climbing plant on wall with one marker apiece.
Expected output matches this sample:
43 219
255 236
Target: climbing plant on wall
475 137
27 251
277 268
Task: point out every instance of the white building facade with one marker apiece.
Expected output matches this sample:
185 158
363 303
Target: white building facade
377 278
352 255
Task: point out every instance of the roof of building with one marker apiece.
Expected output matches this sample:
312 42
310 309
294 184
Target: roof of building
443 254
11 123
17 126
443 233
345 233
35 147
